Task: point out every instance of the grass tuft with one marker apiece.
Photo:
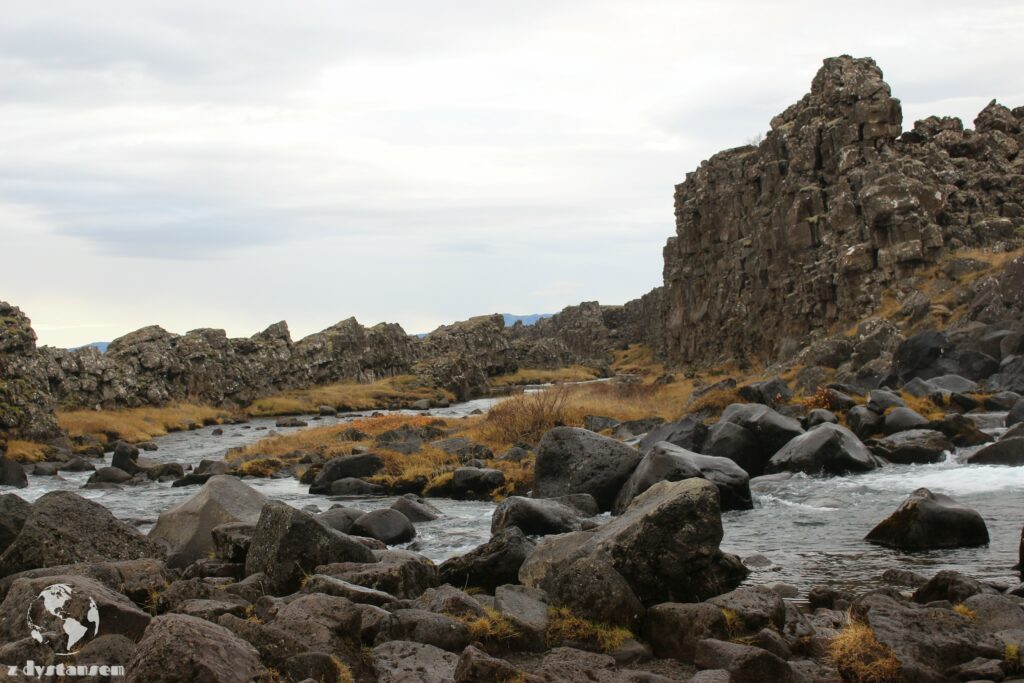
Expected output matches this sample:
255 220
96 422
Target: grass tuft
861 658
564 626
492 626
965 611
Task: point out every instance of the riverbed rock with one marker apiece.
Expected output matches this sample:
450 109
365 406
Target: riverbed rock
476 666
64 528
592 588
773 430
125 457
665 546
12 473
1002 452
916 446
572 460
108 475
416 509
288 543
950 586
666 462
745 663
490 565
927 520
739 444
14 510
688 432
344 467
753 608
402 573
1016 414
863 421
386 525
323 623
350 486
827 449
674 628
475 482
536 516
176 647
402 661
340 518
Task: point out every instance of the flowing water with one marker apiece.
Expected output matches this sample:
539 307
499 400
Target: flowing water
811 529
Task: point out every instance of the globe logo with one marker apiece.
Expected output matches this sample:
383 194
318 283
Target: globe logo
63 618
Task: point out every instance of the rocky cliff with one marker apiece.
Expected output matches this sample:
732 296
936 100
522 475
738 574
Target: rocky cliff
834 208
26 406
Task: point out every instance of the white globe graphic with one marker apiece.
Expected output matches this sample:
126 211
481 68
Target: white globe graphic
63 618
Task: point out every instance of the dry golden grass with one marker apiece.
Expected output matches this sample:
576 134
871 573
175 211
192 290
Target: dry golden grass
922 406
861 658
261 467
1011 657
138 424
716 400
25 451
637 359
402 390
431 464
564 626
573 373
965 611
492 626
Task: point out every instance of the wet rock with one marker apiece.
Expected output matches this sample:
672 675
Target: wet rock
571 460
902 420
288 542
744 663
820 416
490 565
950 586
1003 452
1016 414
674 629
386 525
290 422
904 577
402 573
176 647
64 528
345 467
350 486
402 661
927 520
327 411
772 430
108 475
476 482
961 430
416 509
339 518
826 449
125 457
915 446
687 432
666 462
739 444
863 421
12 473
45 469
187 528
536 517
665 546
14 510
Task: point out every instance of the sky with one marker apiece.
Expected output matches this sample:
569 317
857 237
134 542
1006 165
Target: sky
228 164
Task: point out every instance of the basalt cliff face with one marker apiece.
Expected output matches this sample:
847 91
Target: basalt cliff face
834 209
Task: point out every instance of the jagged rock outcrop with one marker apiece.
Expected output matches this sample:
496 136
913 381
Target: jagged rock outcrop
833 209
461 356
26 406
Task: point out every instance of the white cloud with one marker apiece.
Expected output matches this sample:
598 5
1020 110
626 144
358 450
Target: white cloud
207 164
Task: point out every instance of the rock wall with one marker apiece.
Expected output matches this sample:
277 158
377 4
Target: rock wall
834 208
26 406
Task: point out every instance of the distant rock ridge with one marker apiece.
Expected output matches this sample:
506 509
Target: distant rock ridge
832 210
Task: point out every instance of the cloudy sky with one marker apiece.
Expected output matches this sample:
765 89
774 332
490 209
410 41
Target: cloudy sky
227 164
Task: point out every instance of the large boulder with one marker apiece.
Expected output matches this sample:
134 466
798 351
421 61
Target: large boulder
64 528
665 546
402 573
594 589
572 460
288 543
902 419
926 521
772 429
739 444
125 457
536 516
666 462
401 661
14 510
12 473
674 629
688 432
386 525
745 663
345 467
827 449
176 647
916 446
490 565
924 355
475 482
1002 452
1016 414
186 528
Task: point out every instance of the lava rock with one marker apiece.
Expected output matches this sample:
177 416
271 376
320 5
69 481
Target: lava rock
827 449
345 467
176 647
687 432
415 508
386 525
572 460
490 565
902 420
772 430
927 520
739 444
536 516
12 473
915 446
1002 452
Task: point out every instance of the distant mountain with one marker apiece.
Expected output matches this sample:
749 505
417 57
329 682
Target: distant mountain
511 320
102 346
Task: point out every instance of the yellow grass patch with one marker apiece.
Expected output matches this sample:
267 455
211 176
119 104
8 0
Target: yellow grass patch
138 424
261 467
492 626
25 451
402 390
922 406
565 626
636 359
573 373
965 611
861 658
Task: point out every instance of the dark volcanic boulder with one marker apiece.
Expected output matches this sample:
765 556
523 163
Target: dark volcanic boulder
739 444
401 661
926 521
902 420
490 565
415 508
593 589
14 510
572 460
881 400
536 516
1002 452
863 421
773 431
688 432
925 355
289 542
1016 414
186 528
125 457
666 462
176 647
820 416
340 518
476 482
12 473
914 446
665 546
386 525
827 449
344 467
64 528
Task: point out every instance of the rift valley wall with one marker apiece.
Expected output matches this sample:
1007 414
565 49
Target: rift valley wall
834 208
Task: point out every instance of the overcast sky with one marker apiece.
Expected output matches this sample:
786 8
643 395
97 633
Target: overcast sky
215 164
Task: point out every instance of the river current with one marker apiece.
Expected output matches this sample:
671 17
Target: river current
810 529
